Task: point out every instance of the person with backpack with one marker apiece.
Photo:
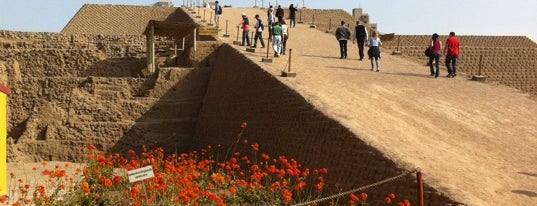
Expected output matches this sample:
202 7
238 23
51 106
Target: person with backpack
436 47
360 35
245 25
217 13
258 32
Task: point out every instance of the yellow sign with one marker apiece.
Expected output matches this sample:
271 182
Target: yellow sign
4 91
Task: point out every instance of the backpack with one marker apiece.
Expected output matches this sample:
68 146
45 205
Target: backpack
219 9
428 52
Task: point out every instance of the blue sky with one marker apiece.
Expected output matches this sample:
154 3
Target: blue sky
465 17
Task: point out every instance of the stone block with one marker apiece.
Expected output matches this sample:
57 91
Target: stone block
288 74
479 78
266 59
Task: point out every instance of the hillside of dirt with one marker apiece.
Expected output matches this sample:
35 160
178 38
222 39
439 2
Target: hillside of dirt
475 141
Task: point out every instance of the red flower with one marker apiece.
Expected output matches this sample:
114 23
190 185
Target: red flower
391 195
117 179
354 198
243 125
388 200
363 196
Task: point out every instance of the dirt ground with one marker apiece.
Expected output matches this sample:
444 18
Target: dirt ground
476 142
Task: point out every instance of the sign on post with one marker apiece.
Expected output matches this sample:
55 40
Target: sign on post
141 174
4 92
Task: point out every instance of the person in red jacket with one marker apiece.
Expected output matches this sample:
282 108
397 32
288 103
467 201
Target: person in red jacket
452 53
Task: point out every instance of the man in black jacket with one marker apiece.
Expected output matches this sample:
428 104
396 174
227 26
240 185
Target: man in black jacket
360 35
279 12
342 35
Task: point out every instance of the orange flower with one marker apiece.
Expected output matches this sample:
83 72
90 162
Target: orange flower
3 199
86 187
232 190
391 195
388 200
44 163
407 202
243 125
363 196
287 196
117 179
12 175
354 197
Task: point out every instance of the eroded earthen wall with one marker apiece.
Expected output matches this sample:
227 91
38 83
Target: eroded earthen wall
283 123
68 90
509 60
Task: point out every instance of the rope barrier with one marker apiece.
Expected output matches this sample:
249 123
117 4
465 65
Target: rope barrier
358 189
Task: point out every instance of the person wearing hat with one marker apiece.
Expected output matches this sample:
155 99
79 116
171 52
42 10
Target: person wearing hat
245 25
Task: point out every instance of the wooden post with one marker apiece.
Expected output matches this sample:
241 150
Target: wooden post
420 189
290 54
226 34
151 50
288 73
480 64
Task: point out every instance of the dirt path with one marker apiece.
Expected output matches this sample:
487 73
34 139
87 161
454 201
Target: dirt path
476 142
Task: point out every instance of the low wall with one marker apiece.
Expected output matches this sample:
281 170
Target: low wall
282 122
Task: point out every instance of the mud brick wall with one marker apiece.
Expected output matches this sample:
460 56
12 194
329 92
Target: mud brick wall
509 60
283 123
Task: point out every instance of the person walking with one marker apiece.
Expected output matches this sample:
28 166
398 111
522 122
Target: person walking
374 50
258 32
285 35
217 13
452 53
279 12
342 35
245 25
292 15
360 35
270 20
276 38
436 47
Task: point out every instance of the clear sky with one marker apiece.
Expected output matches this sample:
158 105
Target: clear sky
465 17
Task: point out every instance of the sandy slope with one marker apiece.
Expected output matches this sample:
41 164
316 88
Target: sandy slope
477 142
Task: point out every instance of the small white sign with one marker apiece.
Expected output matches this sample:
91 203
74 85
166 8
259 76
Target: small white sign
141 174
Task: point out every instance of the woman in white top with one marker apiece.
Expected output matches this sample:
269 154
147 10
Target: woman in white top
285 35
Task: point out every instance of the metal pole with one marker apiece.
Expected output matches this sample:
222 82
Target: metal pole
290 53
420 189
330 24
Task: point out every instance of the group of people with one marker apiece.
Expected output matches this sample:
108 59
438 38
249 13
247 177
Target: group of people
360 35
277 29
279 34
451 51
